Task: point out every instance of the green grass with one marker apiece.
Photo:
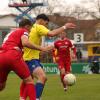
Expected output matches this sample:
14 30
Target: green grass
87 87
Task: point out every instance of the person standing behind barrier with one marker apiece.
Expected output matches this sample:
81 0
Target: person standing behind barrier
31 57
79 55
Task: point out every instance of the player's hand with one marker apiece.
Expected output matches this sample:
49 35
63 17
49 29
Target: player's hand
55 59
70 25
73 56
47 48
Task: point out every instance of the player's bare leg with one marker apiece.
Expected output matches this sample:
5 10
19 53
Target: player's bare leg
41 80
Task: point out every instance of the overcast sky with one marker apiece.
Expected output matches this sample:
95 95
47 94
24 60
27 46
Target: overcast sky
5 9
4 3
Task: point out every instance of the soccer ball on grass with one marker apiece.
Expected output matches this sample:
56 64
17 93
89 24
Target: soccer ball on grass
70 79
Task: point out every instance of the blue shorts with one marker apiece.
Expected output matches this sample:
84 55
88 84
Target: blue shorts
33 64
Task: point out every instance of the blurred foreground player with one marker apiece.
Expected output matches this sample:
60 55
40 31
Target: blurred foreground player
11 58
62 56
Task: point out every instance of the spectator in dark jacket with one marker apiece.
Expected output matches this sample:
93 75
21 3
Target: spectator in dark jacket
24 1
79 55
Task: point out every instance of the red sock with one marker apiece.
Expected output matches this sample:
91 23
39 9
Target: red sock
62 80
62 76
22 87
29 91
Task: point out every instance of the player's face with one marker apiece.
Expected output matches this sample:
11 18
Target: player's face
28 27
62 35
45 23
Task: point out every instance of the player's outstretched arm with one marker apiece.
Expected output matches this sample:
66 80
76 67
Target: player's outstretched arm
61 29
27 43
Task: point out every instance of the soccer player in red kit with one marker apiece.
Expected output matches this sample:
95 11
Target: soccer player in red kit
11 58
62 56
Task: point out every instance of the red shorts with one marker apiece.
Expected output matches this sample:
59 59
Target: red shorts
12 60
64 63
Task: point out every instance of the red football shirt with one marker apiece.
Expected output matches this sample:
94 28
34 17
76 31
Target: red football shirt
13 39
63 47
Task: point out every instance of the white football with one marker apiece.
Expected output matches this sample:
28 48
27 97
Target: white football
70 79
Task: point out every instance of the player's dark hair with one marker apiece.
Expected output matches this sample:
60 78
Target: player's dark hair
42 16
25 22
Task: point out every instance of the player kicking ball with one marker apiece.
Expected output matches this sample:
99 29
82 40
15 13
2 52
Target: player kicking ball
62 56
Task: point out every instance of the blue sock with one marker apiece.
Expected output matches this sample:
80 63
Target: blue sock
39 88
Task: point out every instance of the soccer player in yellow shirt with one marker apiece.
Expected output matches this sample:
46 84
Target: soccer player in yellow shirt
31 56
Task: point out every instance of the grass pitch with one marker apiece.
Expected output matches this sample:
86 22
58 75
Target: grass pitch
87 87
